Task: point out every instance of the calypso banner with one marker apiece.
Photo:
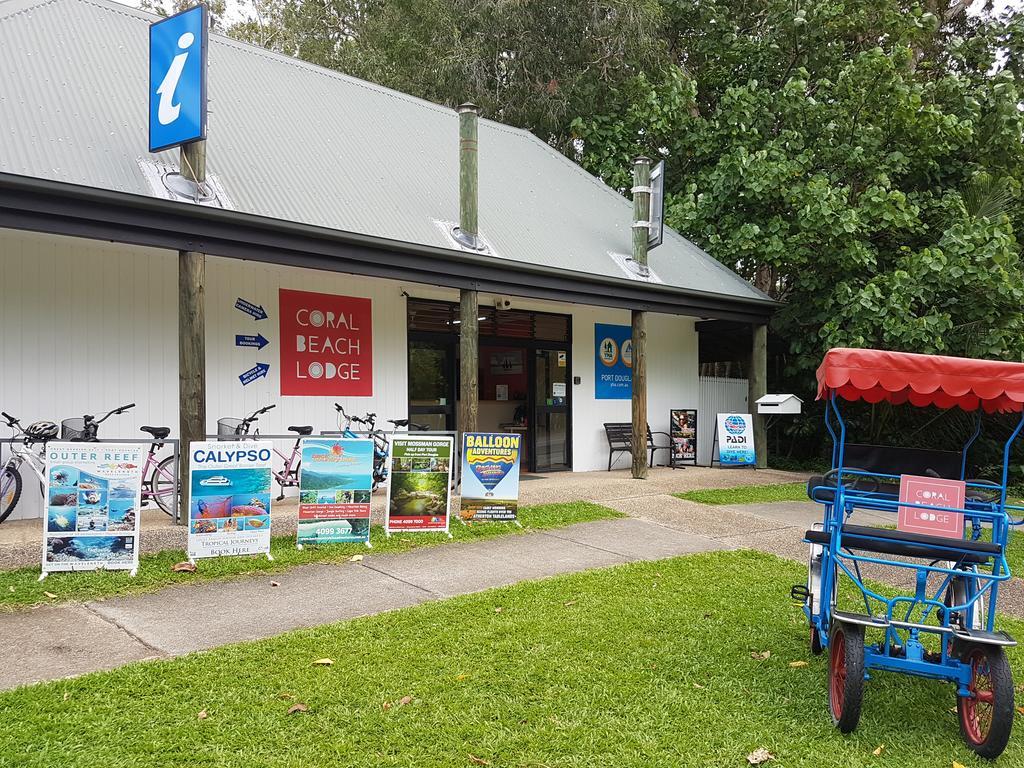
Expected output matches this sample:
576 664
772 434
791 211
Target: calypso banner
335 481
229 507
490 475
736 440
93 495
419 483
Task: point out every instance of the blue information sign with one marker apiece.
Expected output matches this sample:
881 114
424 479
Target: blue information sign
613 362
177 79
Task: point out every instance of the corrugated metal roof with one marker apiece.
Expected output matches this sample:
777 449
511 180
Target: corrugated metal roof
293 141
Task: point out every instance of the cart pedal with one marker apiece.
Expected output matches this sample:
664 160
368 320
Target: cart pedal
986 638
800 592
878 622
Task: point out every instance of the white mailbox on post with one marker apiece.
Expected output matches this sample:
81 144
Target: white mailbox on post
785 404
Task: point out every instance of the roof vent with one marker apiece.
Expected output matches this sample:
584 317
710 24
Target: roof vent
454 236
633 269
166 182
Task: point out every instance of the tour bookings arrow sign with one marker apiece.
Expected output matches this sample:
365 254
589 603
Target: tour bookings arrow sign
257 312
251 341
258 371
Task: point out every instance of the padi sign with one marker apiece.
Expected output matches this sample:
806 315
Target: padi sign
736 440
177 79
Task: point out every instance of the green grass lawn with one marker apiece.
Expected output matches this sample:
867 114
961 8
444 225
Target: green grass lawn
21 588
748 494
648 664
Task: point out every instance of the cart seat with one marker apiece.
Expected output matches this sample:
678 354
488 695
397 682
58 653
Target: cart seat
822 491
889 541
301 430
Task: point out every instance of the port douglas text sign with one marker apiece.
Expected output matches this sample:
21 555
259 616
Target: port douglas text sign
93 494
335 482
490 476
229 503
419 483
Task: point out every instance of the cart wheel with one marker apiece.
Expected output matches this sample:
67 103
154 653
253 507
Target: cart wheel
846 675
816 648
986 716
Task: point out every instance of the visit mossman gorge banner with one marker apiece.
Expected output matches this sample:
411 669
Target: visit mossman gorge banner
613 362
93 495
335 482
736 440
419 483
229 506
490 476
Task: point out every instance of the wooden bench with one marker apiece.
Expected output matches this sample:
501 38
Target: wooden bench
620 440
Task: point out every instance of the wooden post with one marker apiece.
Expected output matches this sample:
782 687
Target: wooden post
757 383
469 300
641 228
191 334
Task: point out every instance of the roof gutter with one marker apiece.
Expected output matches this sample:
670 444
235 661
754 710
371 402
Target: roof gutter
42 205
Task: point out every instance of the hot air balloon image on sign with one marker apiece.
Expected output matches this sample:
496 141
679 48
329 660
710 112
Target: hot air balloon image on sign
490 476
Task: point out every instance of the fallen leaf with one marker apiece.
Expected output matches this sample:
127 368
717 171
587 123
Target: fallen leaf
1020 710
386 706
286 696
795 664
184 567
878 750
759 756
405 700
957 765
66 695
323 662
760 656
478 760
11 588
355 558
499 609
298 707
274 584
202 714
699 686
50 595
462 677
570 602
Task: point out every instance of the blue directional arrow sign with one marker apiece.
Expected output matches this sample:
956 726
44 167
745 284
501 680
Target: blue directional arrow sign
257 312
251 341
258 371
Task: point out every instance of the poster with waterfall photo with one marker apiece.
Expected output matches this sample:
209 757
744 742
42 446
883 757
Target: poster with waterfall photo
419 483
93 494
335 483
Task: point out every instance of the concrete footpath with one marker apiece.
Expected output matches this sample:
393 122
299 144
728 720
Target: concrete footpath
67 640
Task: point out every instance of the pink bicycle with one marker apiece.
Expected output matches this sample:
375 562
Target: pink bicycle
288 475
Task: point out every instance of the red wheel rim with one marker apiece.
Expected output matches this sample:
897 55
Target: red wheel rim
837 680
976 710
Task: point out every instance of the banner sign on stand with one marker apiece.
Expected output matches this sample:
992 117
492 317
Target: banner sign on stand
932 492
419 483
683 435
613 362
736 440
93 495
335 482
490 476
229 507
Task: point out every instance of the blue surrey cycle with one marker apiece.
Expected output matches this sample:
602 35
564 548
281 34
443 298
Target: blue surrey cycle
951 538
381 443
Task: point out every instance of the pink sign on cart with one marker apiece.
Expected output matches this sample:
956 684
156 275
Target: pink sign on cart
932 492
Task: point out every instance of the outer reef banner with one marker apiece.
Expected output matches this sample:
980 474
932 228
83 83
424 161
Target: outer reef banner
335 481
490 476
229 511
93 495
419 483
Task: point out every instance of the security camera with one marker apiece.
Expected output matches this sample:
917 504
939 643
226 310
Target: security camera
503 302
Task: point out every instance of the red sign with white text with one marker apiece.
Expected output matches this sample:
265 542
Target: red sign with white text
326 344
932 492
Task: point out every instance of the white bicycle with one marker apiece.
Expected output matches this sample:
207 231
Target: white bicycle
27 449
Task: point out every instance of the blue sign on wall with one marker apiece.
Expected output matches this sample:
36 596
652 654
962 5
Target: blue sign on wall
177 79
613 362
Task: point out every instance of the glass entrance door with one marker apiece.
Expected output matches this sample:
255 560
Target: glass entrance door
432 384
551 425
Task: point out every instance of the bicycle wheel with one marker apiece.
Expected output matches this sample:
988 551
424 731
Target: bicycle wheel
162 483
10 491
846 675
986 716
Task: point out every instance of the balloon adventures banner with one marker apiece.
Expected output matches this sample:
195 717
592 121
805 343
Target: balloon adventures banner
419 483
335 481
490 476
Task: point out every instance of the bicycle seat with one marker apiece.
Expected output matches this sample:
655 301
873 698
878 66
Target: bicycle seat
158 433
301 430
889 541
399 422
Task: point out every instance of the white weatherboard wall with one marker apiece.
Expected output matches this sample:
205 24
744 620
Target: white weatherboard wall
88 326
717 395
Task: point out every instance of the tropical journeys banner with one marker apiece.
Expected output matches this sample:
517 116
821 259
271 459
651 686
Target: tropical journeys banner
229 507
419 483
490 476
93 494
335 480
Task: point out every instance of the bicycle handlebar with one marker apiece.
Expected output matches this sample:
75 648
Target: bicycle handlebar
11 421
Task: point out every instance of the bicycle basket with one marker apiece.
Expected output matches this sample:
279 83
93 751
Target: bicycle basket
231 427
72 429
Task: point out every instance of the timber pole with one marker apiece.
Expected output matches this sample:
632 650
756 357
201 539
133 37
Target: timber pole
641 230
757 384
191 334
469 300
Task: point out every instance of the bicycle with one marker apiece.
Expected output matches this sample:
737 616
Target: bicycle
37 433
381 444
86 429
288 477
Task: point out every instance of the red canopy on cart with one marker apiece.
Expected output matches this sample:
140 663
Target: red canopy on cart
874 375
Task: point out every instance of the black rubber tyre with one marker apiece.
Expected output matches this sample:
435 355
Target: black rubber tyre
986 717
12 494
846 675
162 487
